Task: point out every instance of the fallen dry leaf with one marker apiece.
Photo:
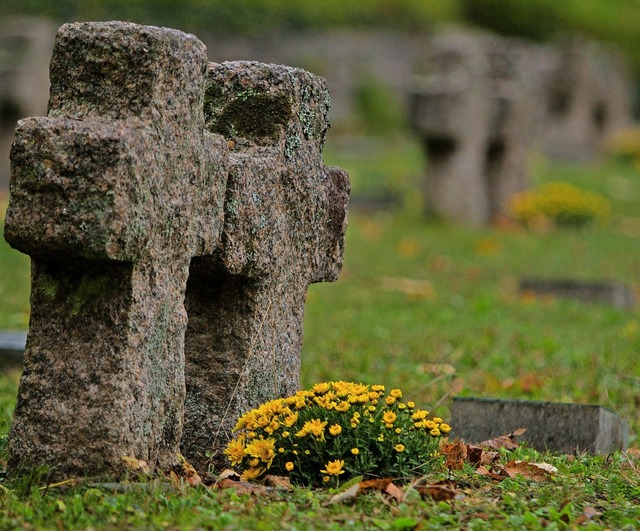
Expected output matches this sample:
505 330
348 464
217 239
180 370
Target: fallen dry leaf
455 454
504 441
442 491
395 492
228 473
279 482
496 471
382 485
242 487
136 465
527 470
188 472
412 287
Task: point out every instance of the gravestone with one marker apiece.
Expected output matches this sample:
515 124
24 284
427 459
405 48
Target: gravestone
175 212
11 349
25 49
612 293
511 123
553 426
587 97
449 109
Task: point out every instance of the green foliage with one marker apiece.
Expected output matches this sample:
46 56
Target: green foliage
334 432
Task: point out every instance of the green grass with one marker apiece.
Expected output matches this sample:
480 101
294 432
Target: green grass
433 309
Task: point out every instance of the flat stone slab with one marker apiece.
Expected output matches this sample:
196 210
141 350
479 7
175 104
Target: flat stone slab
12 349
553 426
613 293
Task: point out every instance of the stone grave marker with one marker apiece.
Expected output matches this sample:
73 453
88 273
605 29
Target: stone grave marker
449 109
553 426
25 49
612 293
11 349
175 212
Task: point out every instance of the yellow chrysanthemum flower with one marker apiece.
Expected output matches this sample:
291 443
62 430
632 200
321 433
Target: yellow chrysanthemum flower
288 466
251 473
235 451
395 393
334 468
335 429
321 388
435 432
445 428
263 449
390 400
355 451
389 417
399 448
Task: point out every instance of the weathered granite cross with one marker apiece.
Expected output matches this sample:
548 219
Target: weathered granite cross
175 212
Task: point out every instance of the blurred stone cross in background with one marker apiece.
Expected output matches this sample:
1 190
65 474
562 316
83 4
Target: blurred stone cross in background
175 212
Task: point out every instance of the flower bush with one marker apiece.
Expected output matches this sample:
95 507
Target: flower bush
335 431
624 145
561 203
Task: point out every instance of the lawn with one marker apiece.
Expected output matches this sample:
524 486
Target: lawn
432 308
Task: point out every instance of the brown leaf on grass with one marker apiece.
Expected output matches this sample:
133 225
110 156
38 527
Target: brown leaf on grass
228 473
455 454
136 465
241 487
412 287
532 471
189 473
587 514
496 471
442 491
382 485
395 492
279 482
504 441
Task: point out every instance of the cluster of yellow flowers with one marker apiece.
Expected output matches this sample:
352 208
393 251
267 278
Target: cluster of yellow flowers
625 145
336 428
560 203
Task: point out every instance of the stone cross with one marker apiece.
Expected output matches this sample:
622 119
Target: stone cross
450 111
474 114
175 212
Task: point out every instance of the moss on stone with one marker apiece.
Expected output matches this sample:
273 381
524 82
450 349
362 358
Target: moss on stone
255 116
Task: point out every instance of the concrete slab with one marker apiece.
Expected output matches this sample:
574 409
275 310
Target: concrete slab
612 293
11 349
557 427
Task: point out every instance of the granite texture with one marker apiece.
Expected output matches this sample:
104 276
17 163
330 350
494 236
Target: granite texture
174 223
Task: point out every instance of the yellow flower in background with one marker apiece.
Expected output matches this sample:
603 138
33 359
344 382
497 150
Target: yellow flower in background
334 468
419 414
378 388
445 428
390 400
343 406
395 393
399 448
435 432
411 405
289 466
355 451
335 429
